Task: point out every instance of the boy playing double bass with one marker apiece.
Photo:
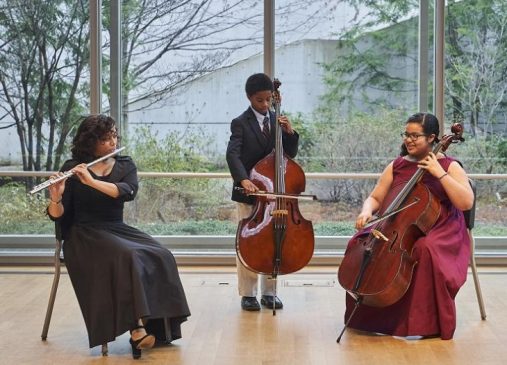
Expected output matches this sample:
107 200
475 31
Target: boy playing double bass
252 139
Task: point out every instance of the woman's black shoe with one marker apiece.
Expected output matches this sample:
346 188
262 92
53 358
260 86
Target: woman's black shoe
136 353
145 342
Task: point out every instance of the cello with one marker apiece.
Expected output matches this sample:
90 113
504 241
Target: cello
276 239
378 270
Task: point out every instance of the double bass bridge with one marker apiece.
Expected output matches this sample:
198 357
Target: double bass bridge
279 212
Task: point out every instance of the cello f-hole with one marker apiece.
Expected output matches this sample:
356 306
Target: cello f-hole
394 239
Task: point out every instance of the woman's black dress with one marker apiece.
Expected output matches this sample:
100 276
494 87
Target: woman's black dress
119 273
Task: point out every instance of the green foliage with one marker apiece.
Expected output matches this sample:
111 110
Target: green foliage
502 152
377 62
357 143
376 70
489 230
169 200
374 66
476 45
190 227
174 152
345 228
42 57
304 130
21 212
35 227
482 154
218 228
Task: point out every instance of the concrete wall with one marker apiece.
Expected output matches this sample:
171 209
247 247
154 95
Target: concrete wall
209 103
212 101
9 145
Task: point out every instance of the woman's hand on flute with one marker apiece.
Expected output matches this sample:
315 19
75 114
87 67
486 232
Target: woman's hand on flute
81 171
56 190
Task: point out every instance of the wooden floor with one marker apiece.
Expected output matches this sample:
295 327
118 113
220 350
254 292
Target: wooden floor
219 332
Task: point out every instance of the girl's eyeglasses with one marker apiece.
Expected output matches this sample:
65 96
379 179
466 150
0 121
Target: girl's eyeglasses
412 136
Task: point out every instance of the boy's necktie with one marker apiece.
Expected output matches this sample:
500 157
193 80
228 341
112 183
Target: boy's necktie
265 128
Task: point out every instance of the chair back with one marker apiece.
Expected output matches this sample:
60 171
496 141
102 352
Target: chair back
59 241
58 231
470 214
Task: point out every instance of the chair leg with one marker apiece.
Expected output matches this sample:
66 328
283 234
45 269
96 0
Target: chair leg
105 350
166 330
54 288
478 290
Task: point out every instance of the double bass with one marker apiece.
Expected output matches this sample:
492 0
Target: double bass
276 239
378 270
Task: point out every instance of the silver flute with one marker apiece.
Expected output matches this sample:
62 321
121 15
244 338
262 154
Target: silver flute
65 175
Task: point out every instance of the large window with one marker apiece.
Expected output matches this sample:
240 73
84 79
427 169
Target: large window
349 73
475 95
44 74
347 84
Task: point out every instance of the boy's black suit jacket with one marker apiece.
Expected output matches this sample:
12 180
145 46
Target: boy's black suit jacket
247 146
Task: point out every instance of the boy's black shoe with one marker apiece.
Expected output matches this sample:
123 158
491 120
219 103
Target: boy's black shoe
267 301
250 304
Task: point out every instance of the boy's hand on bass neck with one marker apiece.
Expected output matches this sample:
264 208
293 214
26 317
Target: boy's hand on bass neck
285 124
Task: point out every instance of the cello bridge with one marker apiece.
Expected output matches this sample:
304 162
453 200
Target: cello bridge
379 235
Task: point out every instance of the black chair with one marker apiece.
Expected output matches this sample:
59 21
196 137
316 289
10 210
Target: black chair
470 221
58 261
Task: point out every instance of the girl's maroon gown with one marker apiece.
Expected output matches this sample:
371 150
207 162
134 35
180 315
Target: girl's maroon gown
427 309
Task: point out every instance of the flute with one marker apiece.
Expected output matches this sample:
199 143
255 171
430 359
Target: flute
65 175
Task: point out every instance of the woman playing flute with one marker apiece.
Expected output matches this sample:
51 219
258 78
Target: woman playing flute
124 280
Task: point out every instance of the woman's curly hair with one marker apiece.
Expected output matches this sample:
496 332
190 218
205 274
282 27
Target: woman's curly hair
92 129
429 124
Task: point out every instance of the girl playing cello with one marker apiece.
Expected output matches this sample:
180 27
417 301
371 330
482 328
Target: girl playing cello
442 254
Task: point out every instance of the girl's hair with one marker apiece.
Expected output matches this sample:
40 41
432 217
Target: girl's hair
92 129
258 82
429 124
